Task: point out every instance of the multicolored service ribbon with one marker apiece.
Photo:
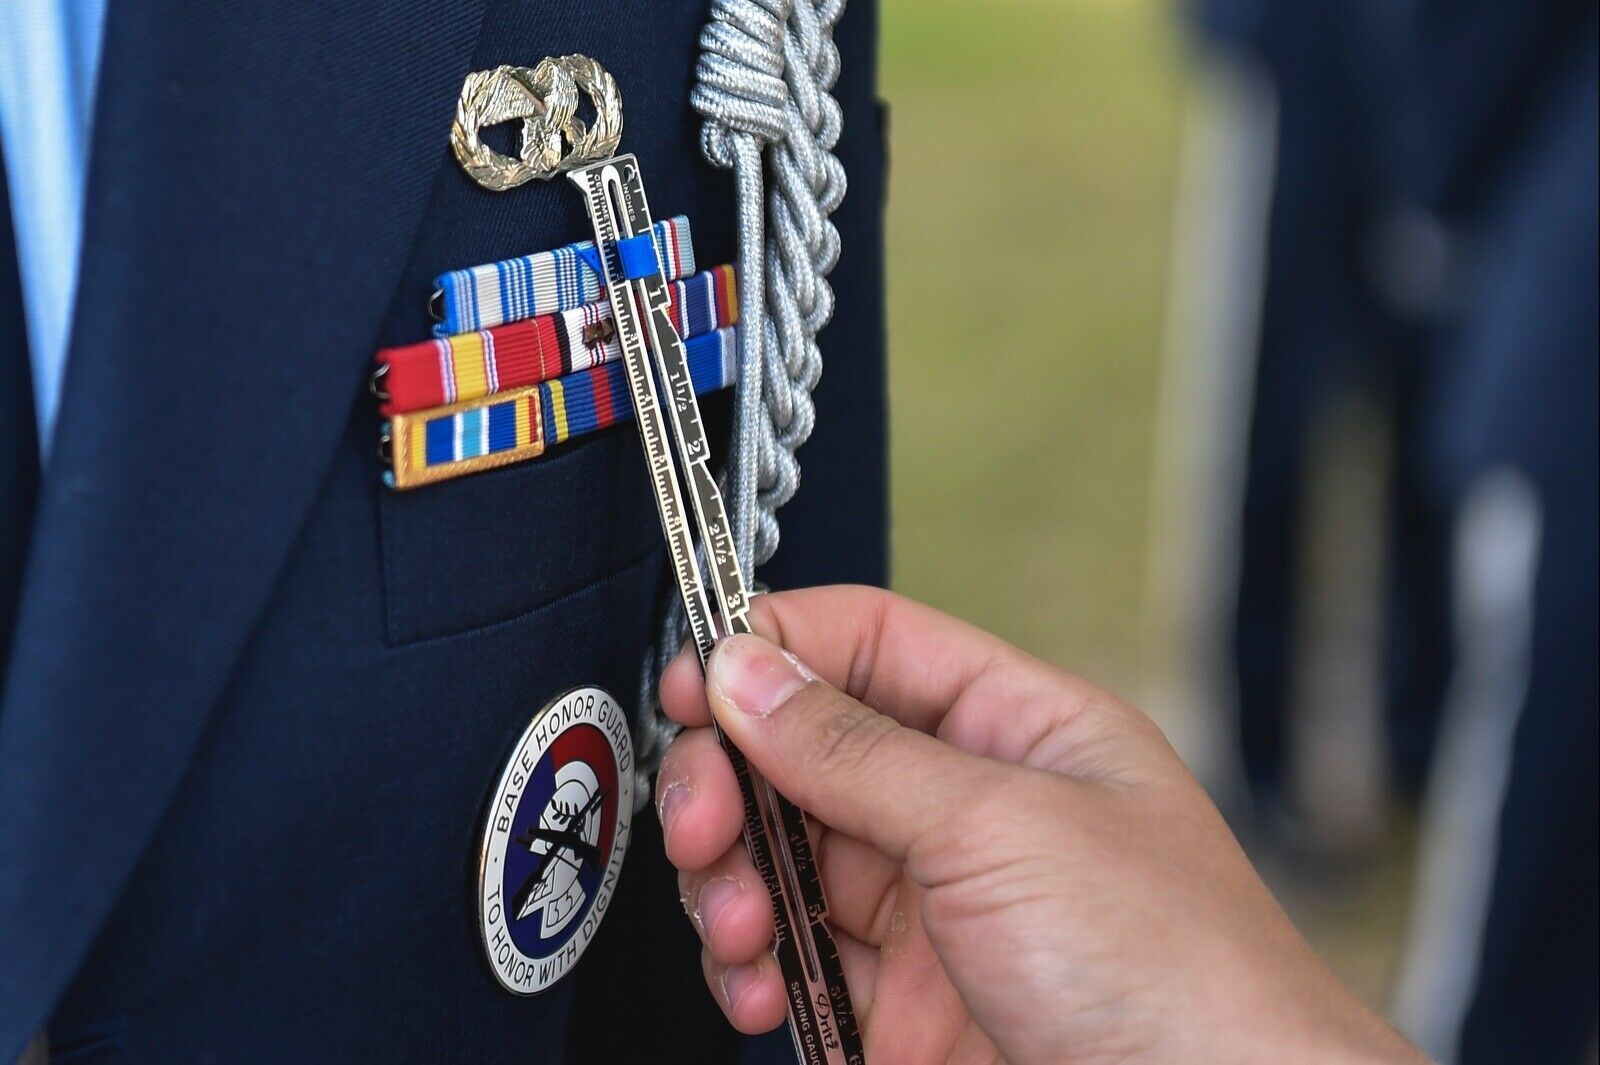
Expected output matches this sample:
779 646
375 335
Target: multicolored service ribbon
550 281
472 365
480 434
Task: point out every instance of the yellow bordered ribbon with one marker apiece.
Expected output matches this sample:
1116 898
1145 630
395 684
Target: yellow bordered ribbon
466 437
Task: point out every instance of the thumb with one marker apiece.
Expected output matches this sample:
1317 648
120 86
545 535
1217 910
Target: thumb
858 770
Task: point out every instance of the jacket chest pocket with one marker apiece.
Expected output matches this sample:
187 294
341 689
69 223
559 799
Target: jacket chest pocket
490 547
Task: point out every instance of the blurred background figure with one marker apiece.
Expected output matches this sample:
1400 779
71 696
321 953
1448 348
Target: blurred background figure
1430 245
1355 489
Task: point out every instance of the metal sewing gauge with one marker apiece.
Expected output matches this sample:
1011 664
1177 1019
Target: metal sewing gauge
821 1018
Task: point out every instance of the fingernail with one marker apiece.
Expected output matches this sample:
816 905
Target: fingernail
737 982
670 804
754 675
715 898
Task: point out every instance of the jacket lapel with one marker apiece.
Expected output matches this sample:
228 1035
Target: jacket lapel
257 175
19 455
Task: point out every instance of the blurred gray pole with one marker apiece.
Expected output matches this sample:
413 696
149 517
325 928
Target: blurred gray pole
1219 244
1496 562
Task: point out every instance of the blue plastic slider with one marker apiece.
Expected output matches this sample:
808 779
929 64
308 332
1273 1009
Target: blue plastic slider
637 255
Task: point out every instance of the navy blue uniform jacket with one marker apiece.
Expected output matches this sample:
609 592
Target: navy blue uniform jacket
253 702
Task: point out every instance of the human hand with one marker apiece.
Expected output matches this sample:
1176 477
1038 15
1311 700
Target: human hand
1017 864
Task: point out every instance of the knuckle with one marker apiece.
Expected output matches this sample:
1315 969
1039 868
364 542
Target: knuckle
671 771
698 755
845 736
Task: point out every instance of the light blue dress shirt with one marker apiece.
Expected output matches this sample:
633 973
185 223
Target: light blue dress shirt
49 60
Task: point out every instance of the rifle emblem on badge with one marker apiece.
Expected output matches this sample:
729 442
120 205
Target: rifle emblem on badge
554 839
566 839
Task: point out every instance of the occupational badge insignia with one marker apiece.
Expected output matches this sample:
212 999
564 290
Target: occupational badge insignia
554 839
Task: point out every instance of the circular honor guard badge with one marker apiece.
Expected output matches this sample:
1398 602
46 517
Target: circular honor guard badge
554 839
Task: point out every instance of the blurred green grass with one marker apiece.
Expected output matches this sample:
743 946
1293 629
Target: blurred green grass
1033 146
